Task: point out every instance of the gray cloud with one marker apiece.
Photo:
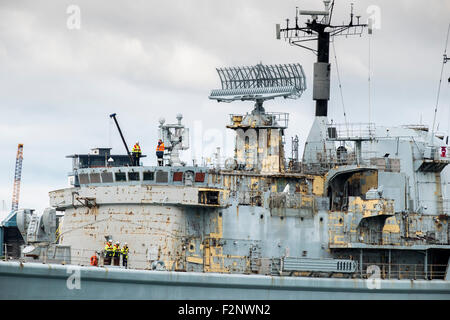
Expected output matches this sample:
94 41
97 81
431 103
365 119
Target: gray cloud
148 59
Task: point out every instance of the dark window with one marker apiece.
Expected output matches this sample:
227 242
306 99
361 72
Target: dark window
178 176
208 197
95 177
133 176
107 177
332 132
200 177
121 176
149 175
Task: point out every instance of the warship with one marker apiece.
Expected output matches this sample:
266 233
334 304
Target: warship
363 214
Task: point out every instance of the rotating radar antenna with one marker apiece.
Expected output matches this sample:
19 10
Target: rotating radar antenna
259 83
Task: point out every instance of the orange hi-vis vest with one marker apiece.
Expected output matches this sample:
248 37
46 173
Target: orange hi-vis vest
160 147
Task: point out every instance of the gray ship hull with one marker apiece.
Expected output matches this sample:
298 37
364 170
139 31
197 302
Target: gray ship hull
51 281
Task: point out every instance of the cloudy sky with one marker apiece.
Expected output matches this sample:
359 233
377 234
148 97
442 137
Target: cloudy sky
62 76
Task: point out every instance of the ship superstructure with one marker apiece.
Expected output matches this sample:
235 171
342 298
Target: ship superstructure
364 200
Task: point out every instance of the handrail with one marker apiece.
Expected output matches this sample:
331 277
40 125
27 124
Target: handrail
81 256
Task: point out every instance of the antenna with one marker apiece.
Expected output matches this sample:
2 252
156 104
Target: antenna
351 13
176 138
259 83
370 75
294 150
340 87
444 61
320 28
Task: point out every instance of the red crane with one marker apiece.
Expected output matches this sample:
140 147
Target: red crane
17 177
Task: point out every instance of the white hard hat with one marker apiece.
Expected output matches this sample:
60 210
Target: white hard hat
117 242
126 243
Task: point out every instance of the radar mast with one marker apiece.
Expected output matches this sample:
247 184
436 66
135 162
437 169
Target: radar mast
319 28
259 135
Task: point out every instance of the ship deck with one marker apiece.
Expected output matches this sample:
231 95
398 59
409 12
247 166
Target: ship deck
50 281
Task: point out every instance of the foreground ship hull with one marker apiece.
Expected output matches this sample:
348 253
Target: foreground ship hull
364 200
49 281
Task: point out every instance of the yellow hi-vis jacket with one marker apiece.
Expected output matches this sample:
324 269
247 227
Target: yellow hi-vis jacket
116 250
125 252
109 250
137 148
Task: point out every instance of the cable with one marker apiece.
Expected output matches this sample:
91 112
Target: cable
340 87
369 79
448 124
440 82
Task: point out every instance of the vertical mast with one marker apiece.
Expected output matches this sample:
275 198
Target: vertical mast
319 28
323 52
17 178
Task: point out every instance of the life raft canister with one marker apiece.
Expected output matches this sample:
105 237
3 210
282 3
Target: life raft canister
94 261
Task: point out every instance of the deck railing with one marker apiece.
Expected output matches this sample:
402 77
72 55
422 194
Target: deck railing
402 271
276 267
373 237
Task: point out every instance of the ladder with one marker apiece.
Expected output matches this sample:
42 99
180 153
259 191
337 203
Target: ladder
32 228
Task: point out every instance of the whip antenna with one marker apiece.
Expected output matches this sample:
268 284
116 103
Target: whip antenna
340 87
444 61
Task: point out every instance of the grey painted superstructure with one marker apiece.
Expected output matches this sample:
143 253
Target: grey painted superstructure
363 215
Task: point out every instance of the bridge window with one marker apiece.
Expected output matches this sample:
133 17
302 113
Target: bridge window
178 176
107 177
162 176
149 175
84 178
133 176
199 177
120 176
95 177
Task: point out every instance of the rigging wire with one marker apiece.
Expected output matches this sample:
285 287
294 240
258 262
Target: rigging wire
448 121
340 87
440 82
369 84
369 77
